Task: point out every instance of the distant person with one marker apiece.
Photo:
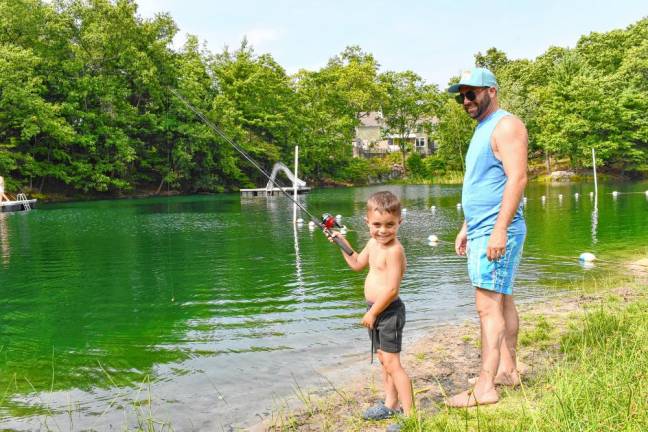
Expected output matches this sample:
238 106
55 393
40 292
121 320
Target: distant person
385 316
3 197
494 230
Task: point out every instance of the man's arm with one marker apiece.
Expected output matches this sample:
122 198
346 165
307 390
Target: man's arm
510 142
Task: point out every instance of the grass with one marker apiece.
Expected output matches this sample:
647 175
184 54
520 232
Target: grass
448 177
538 334
596 378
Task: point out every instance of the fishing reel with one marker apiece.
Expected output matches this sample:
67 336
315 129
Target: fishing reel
329 222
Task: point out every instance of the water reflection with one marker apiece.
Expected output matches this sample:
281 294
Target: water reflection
299 277
4 240
594 226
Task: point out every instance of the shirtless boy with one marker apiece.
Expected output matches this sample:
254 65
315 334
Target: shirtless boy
385 316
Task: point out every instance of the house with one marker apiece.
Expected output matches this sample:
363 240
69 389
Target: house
371 139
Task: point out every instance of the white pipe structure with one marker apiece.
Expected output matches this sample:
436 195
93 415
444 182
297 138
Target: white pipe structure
295 186
595 180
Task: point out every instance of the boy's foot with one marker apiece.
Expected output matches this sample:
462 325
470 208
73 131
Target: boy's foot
469 399
511 380
379 412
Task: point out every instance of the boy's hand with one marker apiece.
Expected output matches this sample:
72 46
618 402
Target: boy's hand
331 234
369 319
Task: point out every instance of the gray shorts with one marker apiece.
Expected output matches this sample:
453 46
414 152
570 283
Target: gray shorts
387 334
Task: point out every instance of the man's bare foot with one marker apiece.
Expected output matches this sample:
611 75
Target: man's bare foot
503 379
469 399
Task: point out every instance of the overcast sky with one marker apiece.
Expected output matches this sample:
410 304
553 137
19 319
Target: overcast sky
435 39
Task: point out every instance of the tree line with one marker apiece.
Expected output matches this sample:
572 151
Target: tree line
86 107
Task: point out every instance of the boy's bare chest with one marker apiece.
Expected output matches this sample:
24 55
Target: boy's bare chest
378 261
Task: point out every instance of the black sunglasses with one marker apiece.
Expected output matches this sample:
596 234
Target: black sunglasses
470 95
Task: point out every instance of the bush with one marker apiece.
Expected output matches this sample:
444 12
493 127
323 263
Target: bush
435 165
416 166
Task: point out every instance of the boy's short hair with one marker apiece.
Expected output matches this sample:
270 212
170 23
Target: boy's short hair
384 201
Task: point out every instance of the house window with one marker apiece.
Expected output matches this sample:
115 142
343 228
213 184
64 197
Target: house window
420 142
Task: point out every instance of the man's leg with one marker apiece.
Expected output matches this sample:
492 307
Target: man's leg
507 373
490 307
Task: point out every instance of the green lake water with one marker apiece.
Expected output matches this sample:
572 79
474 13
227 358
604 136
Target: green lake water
217 306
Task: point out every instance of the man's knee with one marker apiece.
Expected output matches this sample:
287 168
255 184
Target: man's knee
489 303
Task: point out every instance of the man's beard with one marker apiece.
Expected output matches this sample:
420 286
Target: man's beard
482 105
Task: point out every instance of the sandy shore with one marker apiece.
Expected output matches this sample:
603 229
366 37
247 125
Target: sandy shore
439 364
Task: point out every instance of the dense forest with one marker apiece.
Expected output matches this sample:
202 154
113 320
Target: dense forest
86 106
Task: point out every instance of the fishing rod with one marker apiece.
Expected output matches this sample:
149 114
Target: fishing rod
326 223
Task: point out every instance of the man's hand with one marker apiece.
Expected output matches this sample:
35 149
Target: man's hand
369 319
496 244
461 242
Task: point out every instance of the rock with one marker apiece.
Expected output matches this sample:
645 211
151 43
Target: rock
562 176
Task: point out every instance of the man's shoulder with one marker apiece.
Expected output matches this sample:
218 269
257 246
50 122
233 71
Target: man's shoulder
509 123
509 127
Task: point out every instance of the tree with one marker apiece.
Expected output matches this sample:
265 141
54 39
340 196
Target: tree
409 107
493 59
330 103
452 133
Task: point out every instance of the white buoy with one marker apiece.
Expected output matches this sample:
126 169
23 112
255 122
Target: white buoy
591 194
433 238
404 210
560 196
458 205
615 194
433 208
587 265
312 224
338 217
543 198
433 244
646 194
343 230
300 221
576 195
524 200
587 257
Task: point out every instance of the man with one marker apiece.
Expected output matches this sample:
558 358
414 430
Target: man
3 196
494 230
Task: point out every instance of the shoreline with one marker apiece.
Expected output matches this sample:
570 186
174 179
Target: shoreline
56 198
441 362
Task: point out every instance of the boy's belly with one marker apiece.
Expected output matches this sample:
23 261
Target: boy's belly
374 288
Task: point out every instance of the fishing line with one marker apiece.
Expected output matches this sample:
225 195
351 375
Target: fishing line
324 225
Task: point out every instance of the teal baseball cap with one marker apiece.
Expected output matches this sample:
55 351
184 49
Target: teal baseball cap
475 77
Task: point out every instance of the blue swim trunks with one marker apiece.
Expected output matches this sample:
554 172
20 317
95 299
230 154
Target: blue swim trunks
498 275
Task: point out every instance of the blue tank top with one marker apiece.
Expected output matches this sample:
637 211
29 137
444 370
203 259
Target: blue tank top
484 181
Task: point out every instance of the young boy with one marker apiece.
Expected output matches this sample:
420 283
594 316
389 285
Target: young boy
385 317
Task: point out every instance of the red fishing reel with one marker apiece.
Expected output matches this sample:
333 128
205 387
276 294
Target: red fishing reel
329 221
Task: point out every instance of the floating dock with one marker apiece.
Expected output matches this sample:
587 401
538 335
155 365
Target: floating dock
15 206
265 192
